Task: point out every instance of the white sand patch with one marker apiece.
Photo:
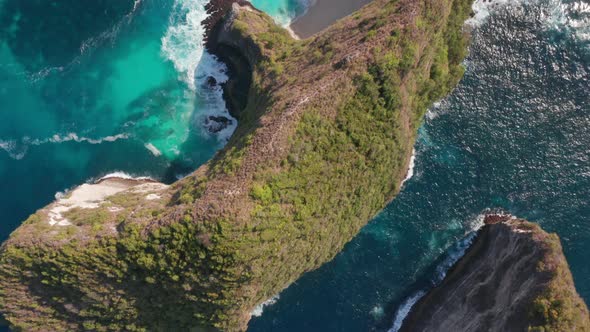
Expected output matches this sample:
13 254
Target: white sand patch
86 196
152 197
149 187
115 209
55 216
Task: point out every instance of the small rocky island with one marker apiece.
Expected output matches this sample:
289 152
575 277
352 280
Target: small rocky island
325 135
513 278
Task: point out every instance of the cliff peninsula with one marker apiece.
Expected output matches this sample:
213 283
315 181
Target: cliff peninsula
326 130
514 277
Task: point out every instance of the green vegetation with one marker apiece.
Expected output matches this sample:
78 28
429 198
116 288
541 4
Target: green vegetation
322 146
559 307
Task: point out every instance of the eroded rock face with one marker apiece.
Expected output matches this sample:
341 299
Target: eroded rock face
215 124
513 278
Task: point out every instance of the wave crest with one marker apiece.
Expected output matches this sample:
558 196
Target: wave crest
257 312
559 15
453 255
183 43
17 149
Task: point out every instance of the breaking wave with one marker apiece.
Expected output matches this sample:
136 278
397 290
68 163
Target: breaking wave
404 310
257 312
559 15
73 137
184 45
411 167
17 149
453 254
122 175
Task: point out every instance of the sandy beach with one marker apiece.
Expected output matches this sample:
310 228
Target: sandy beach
322 14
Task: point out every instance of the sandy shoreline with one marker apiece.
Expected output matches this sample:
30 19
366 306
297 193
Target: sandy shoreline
322 14
93 195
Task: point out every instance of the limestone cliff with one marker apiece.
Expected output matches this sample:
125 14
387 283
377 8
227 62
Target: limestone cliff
513 278
324 140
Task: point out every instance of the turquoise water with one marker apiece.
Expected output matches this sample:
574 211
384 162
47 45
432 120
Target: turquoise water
87 89
90 88
283 11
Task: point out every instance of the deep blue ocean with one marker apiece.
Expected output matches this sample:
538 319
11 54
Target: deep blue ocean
89 88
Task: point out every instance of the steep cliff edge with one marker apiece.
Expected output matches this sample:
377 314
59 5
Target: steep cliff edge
513 278
323 143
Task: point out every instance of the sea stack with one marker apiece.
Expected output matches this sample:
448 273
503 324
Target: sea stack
513 278
324 142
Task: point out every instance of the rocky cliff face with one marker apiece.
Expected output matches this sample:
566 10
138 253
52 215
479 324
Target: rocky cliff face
324 140
513 278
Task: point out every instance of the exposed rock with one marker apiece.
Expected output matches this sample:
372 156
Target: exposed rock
513 278
215 124
211 81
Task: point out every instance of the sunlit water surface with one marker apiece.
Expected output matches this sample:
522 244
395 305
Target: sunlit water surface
91 88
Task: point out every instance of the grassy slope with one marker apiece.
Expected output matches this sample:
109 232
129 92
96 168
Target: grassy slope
322 146
558 307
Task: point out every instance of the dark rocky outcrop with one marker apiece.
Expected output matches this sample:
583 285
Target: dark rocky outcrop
513 278
215 124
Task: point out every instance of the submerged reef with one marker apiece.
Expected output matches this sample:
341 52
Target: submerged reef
513 278
325 135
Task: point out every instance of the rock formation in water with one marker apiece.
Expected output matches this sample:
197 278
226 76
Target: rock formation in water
325 135
513 278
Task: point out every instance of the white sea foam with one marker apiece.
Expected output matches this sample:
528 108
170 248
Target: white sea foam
438 107
13 150
136 4
559 15
377 312
17 149
61 194
483 8
123 175
257 312
571 16
411 167
154 150
404 310
73 137
211 96
453 255
183 43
